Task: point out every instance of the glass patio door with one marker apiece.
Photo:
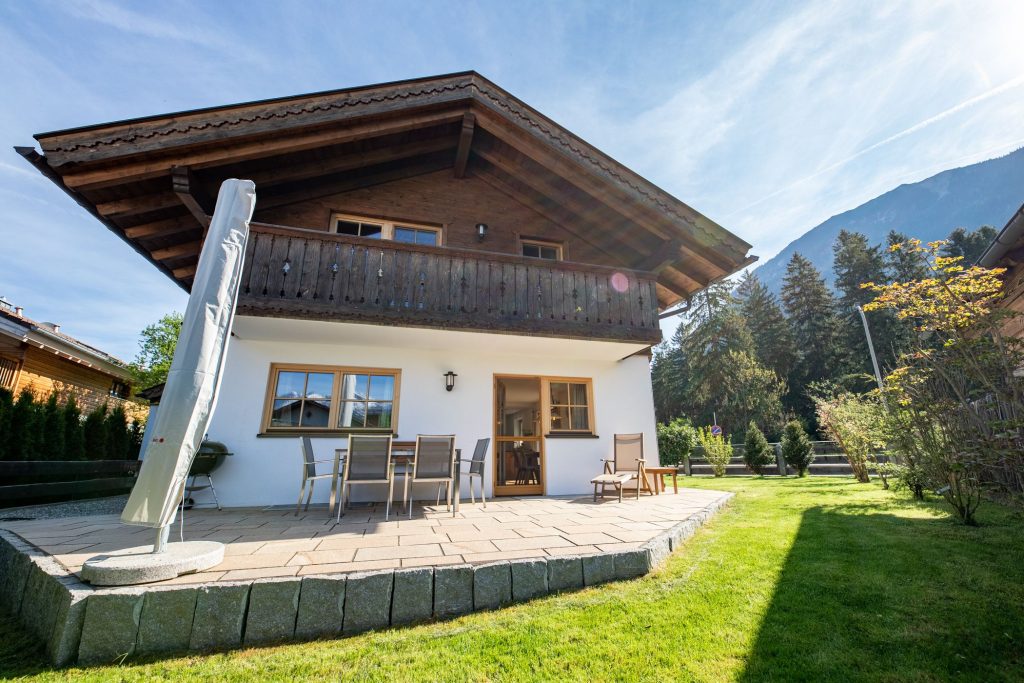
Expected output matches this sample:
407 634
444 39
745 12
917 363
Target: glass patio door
519 448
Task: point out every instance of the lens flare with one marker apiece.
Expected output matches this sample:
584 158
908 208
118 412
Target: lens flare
620 283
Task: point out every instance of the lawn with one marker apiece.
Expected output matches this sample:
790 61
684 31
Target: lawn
813 579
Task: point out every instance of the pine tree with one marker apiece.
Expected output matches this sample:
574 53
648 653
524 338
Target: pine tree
757 454
855 263
51 434
811 311
902 265
773 339
709 369
969 245
74 438
797 450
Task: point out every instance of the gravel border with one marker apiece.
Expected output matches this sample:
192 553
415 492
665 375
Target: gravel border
111 505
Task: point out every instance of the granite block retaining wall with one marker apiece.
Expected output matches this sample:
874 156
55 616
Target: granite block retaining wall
86 625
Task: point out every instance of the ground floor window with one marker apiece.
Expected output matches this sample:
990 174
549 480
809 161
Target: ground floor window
331 398
570 406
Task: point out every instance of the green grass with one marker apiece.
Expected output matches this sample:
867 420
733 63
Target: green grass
811 579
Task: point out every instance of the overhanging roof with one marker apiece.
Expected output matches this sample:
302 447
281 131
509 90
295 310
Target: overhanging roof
151 180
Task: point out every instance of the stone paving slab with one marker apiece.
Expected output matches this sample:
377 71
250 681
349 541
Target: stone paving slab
301 577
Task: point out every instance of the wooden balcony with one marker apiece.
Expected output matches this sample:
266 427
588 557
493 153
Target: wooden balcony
295 273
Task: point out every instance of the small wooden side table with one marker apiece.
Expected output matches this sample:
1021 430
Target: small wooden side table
659 478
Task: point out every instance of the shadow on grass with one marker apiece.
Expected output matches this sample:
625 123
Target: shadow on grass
865 595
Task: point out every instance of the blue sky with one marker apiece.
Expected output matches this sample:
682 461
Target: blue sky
768 117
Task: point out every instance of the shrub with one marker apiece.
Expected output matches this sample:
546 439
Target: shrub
24 437
797 450
717 450
675 441
854 421
757 454
6 408
51 430
136 430
118 436
94 431
907 477
74 439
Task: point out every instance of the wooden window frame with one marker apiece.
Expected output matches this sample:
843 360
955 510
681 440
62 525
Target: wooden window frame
388 226
523 241
339 372
546 406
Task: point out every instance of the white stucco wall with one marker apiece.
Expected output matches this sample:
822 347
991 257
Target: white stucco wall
266 470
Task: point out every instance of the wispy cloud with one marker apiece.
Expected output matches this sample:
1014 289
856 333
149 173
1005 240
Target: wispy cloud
917 127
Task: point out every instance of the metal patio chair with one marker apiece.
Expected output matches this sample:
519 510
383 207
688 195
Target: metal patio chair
368 461
434 462
309 474
476 468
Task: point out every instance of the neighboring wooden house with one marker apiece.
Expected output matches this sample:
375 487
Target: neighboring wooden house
39 357
403 231
1007 251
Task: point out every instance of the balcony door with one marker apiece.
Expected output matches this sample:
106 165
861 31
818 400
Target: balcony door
519 448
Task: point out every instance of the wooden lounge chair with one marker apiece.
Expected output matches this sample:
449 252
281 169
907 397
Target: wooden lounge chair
627 465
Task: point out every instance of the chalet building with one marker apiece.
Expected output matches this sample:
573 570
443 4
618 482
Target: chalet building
427 256
1007 251
39 357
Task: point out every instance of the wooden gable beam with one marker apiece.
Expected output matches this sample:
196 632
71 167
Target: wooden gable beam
465 142
560 217
167 226
609 192
663 256
130 206
656 260
212 154
184 271
178 250
191 194
348 184
294 172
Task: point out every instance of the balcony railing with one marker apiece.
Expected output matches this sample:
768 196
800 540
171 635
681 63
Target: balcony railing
296 273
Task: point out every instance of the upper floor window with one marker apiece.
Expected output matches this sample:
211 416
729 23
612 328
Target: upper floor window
551 251
410 233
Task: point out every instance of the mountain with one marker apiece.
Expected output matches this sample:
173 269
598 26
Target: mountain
986 193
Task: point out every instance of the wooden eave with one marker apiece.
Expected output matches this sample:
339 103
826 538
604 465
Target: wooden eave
152 180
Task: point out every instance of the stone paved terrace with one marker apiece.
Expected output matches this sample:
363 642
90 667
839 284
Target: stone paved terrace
274 542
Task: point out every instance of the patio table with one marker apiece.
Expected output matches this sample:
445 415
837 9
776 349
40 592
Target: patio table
659 478
403 453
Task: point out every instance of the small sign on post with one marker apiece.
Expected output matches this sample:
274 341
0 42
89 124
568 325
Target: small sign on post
716 430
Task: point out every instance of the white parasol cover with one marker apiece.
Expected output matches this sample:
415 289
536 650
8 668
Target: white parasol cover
190 393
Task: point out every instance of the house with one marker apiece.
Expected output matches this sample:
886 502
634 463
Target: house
426 256
39 357
1007 251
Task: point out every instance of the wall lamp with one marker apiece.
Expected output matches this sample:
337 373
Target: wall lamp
449 380
481 231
